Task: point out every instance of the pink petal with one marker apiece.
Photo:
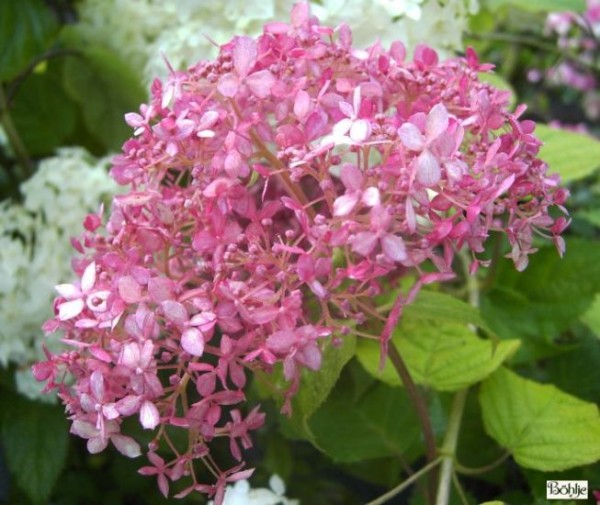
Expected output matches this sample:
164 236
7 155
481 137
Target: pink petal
149 416
129 290
175 311
393 247
205 321
96 445
437 122
130 355
364 242
302 104
228 85
192 341
69 310
371 197
261 83
428 169
411 137
352 177
127 446
97 385
343 205
88 279
245 53
128 405
68 291
360 130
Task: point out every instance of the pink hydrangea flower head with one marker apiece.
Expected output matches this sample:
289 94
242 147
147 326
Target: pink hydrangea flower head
272 193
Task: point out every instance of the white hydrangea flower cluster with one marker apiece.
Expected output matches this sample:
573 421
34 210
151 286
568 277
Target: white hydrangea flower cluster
35 249
146 32
242 494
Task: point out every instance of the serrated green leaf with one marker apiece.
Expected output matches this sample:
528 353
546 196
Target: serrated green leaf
314 388
572 155
549 296
544 428
442 355
27 28
381 423
438 346
591 317
42 112
538 5
107 89
35 440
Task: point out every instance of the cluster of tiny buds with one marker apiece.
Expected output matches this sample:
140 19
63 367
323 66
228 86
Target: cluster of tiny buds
272 194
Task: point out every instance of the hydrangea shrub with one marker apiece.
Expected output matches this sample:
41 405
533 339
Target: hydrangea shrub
271 194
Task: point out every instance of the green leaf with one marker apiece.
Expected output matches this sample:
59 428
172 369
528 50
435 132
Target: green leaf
592 216
314 387
573 155
577 370
106 88
544 428
43 113
35 438
591 317
549 296
27 28
381 423
439 348
538 5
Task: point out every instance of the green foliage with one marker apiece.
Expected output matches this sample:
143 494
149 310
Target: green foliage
544 428
35 438
106 89
27 28
545 299
43 113
537 5
378 424
592 316
573 155
439 348
315 388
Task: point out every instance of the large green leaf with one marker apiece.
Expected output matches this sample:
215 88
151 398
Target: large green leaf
538 5
549 296
436 341
544 428
381 423
27 28
43 113
591 317
315 387
106 88
573 155
35 438
442 355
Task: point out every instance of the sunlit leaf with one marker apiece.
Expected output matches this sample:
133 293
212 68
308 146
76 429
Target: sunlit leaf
544 428
572 155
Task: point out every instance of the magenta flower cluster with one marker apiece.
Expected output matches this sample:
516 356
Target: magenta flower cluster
273 193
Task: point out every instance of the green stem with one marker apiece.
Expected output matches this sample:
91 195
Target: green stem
448 449
13 136
466 470
420 405
401 487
